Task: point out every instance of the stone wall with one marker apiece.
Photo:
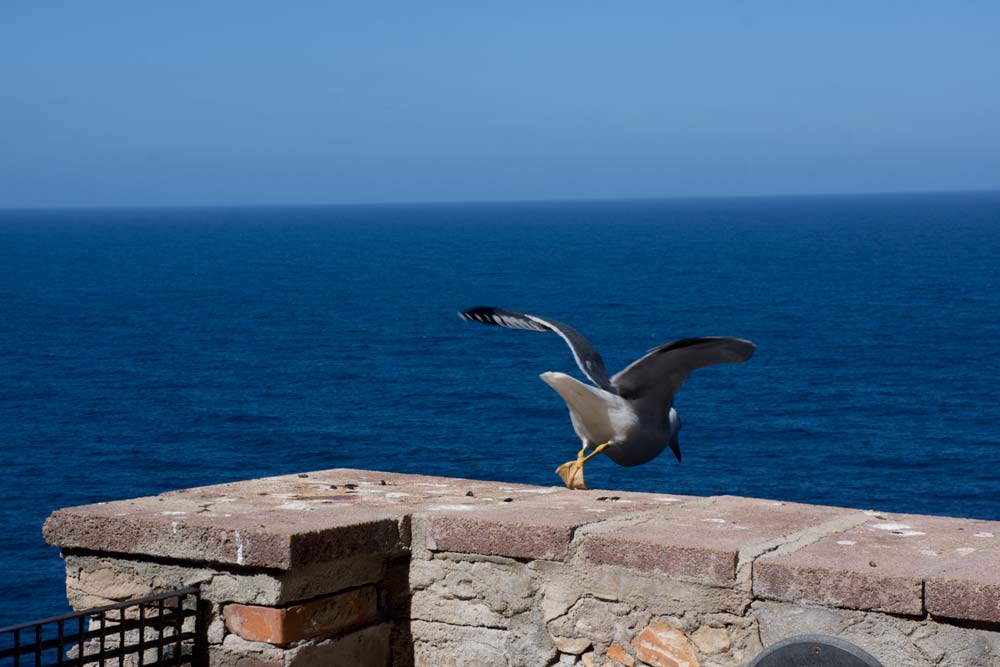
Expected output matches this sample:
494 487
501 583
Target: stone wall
369 569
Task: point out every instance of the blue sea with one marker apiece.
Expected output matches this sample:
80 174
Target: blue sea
147 350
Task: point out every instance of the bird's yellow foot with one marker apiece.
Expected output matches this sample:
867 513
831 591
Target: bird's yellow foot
571 472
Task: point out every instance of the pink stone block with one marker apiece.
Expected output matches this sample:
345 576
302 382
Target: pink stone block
883 564
701 540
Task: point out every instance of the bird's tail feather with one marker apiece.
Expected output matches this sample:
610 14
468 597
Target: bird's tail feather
588 405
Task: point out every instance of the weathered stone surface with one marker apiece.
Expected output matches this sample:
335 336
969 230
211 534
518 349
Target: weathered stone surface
470 592
599 621
444 645
969 590
663 645
92 581
289 521
900 594
216 630
236 652
276 522
702 541
540 527
301 583
100 582
880 565
368 647
711 641
562 585
258 539
530 643
284 625
894 641
618 653
572 645
527 536
103 583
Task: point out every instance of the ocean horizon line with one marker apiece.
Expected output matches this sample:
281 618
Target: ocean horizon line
501 202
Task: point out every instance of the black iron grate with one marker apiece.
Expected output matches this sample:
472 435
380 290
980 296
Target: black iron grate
160 630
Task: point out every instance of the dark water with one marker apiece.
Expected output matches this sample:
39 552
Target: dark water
147 350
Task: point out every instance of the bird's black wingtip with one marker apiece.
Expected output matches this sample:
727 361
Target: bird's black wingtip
472 313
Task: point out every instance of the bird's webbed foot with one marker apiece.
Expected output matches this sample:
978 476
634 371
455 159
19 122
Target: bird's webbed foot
571 472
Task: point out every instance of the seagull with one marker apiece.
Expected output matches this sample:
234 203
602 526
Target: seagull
629 417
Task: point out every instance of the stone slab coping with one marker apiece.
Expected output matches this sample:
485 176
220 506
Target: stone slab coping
292 520
903 564
784 551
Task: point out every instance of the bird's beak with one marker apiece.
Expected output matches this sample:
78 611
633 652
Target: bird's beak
571 473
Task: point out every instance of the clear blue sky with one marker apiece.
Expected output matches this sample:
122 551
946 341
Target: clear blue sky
226 102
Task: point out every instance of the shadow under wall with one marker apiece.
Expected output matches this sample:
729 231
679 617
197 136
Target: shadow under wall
398 598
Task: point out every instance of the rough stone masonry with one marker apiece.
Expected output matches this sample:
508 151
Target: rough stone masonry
370 569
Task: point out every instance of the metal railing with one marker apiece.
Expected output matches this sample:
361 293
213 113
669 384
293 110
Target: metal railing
161 630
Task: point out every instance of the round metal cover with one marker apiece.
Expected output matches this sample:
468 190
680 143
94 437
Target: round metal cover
814 651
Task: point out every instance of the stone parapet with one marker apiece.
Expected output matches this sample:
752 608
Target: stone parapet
378 569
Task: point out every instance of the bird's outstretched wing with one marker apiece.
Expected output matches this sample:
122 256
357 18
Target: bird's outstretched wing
587 358
661 373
